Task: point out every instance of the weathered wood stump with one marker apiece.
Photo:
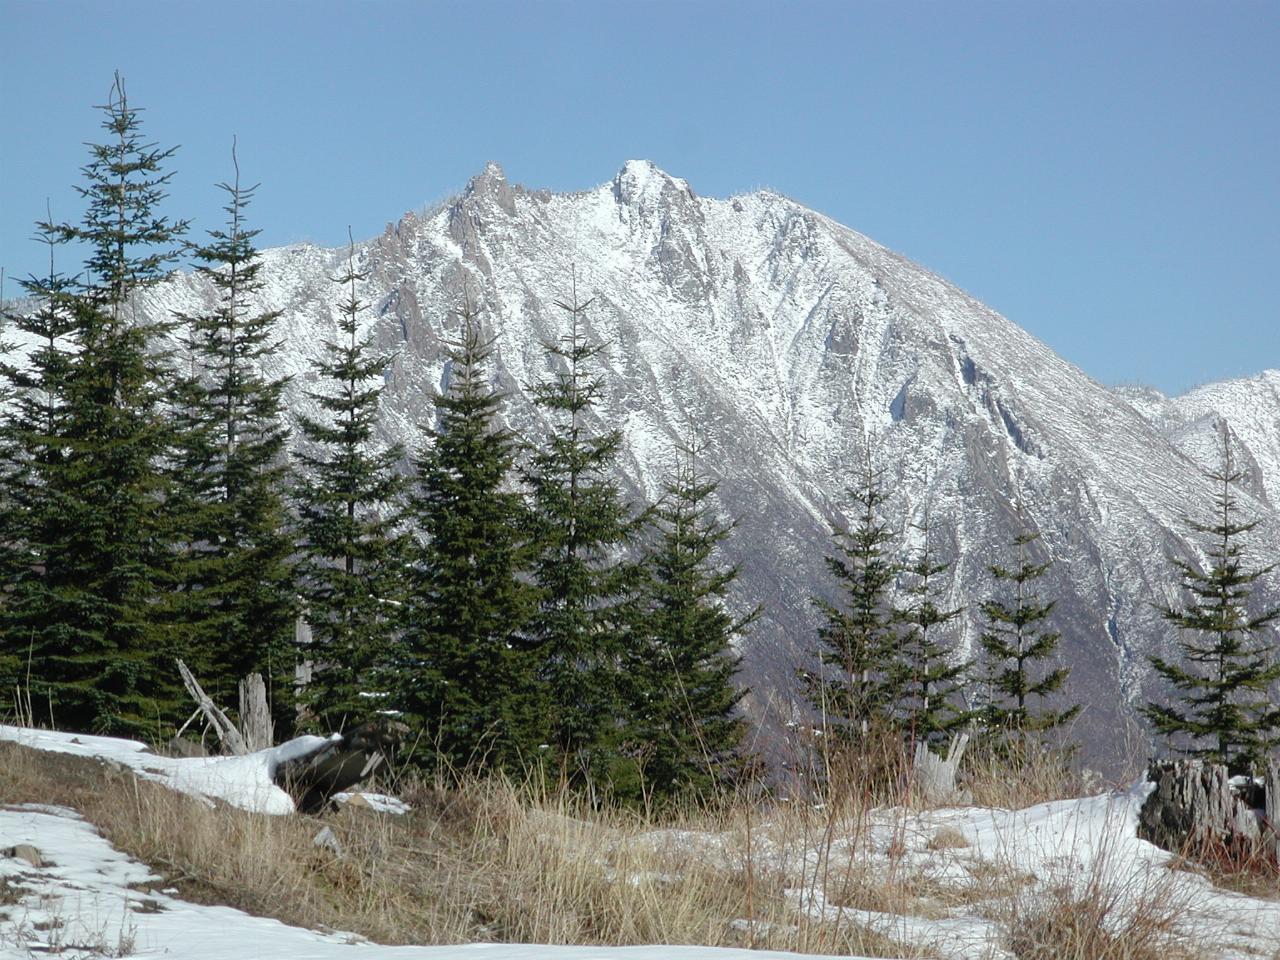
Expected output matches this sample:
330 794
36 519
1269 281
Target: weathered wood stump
255 715
1196 807
935 776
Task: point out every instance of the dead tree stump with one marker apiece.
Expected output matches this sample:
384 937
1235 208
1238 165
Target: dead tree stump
255 715
1195 807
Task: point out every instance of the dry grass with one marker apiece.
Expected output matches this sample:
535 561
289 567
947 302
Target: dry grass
489 860
948 838
1113 911
1012 780
485 861
1240 867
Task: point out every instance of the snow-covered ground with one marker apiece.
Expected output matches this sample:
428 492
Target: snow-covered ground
245 782
84 898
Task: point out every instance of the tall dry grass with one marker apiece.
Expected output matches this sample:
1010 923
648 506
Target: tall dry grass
494 860
1110 912
482 860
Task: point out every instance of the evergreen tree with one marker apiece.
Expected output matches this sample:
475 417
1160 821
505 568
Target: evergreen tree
236 592
352 552
463 683
1016 644
930 675
580 526
856 687
98 654
680 672
30 456
1224 713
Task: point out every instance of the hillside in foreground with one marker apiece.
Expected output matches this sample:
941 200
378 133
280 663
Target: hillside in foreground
102 853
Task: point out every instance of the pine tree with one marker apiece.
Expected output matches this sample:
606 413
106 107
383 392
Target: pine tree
463 682
1016 644
1225 713
98 654
680 672
580 527
930 674
236 592
352 551
856 687
30 454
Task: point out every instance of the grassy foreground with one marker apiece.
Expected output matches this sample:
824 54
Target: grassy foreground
489 860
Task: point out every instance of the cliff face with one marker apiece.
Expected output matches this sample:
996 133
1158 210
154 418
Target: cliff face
789 345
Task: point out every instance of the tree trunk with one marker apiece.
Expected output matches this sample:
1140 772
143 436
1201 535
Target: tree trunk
255 715
1272 823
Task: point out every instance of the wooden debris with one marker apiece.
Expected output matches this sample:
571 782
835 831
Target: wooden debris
227 733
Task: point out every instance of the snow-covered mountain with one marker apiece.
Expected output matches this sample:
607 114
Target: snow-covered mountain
790 344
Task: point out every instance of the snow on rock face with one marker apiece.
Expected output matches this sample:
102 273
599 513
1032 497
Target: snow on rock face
787 342
1251 409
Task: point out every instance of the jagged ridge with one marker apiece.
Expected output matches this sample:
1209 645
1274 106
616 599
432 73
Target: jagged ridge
789 343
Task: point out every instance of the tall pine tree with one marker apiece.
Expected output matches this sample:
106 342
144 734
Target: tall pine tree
462 679
856 687
1225 712
930 674
30 457
100 659
580 526
236 595
1016 645
352 551
680 670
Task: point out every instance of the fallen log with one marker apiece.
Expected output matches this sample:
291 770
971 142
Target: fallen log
338 765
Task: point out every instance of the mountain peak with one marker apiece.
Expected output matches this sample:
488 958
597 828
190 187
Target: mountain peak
491 183
641 180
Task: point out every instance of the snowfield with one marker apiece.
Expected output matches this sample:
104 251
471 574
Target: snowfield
84 898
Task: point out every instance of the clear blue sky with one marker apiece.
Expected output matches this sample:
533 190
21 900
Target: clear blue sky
1106 174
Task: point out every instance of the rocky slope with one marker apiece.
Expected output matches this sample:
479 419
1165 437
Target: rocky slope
790 345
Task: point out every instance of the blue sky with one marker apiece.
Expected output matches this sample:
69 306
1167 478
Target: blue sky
1106 174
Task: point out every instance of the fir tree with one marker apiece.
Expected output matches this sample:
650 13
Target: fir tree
1224 713
856 687
680 671
97 651
1016 645
236 597
30 454
580 526
462 679
930 674
352 552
